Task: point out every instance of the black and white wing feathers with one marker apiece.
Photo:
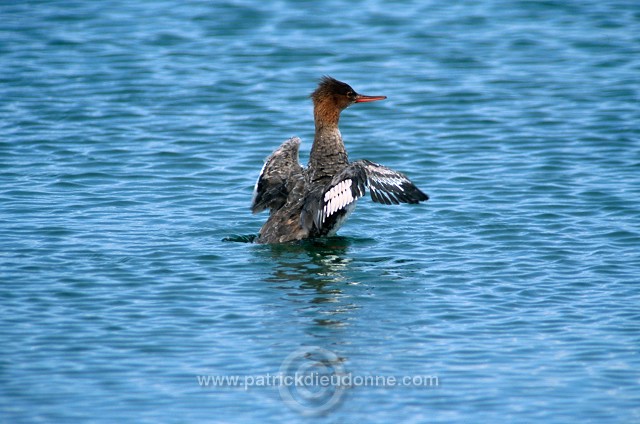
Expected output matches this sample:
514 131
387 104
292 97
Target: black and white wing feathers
385 185
270 191
391 187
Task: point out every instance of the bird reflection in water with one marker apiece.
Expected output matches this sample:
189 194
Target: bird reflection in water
313 272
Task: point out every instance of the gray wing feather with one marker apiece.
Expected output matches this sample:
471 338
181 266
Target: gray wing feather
385 185
270 191
390 187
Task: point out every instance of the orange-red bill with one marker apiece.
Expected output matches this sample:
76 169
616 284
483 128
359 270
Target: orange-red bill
362 98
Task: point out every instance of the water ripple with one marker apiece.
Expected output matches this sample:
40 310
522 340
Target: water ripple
131 139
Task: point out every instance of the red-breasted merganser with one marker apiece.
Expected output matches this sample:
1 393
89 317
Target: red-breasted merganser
316 200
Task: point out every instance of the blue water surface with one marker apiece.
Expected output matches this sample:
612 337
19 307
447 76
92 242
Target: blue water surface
132 134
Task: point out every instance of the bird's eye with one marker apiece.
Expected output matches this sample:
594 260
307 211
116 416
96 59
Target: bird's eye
350 94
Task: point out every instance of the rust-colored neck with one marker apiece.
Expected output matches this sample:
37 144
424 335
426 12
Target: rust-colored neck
325 113
328 154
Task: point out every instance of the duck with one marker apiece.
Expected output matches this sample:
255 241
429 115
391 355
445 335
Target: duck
315 201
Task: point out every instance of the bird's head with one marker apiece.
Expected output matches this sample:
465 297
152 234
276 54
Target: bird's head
340 94
332 97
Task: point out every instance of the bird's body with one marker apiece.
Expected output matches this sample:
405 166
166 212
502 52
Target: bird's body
316 200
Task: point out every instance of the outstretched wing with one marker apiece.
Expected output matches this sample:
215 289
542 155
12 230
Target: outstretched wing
270 190
390 187
385 186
